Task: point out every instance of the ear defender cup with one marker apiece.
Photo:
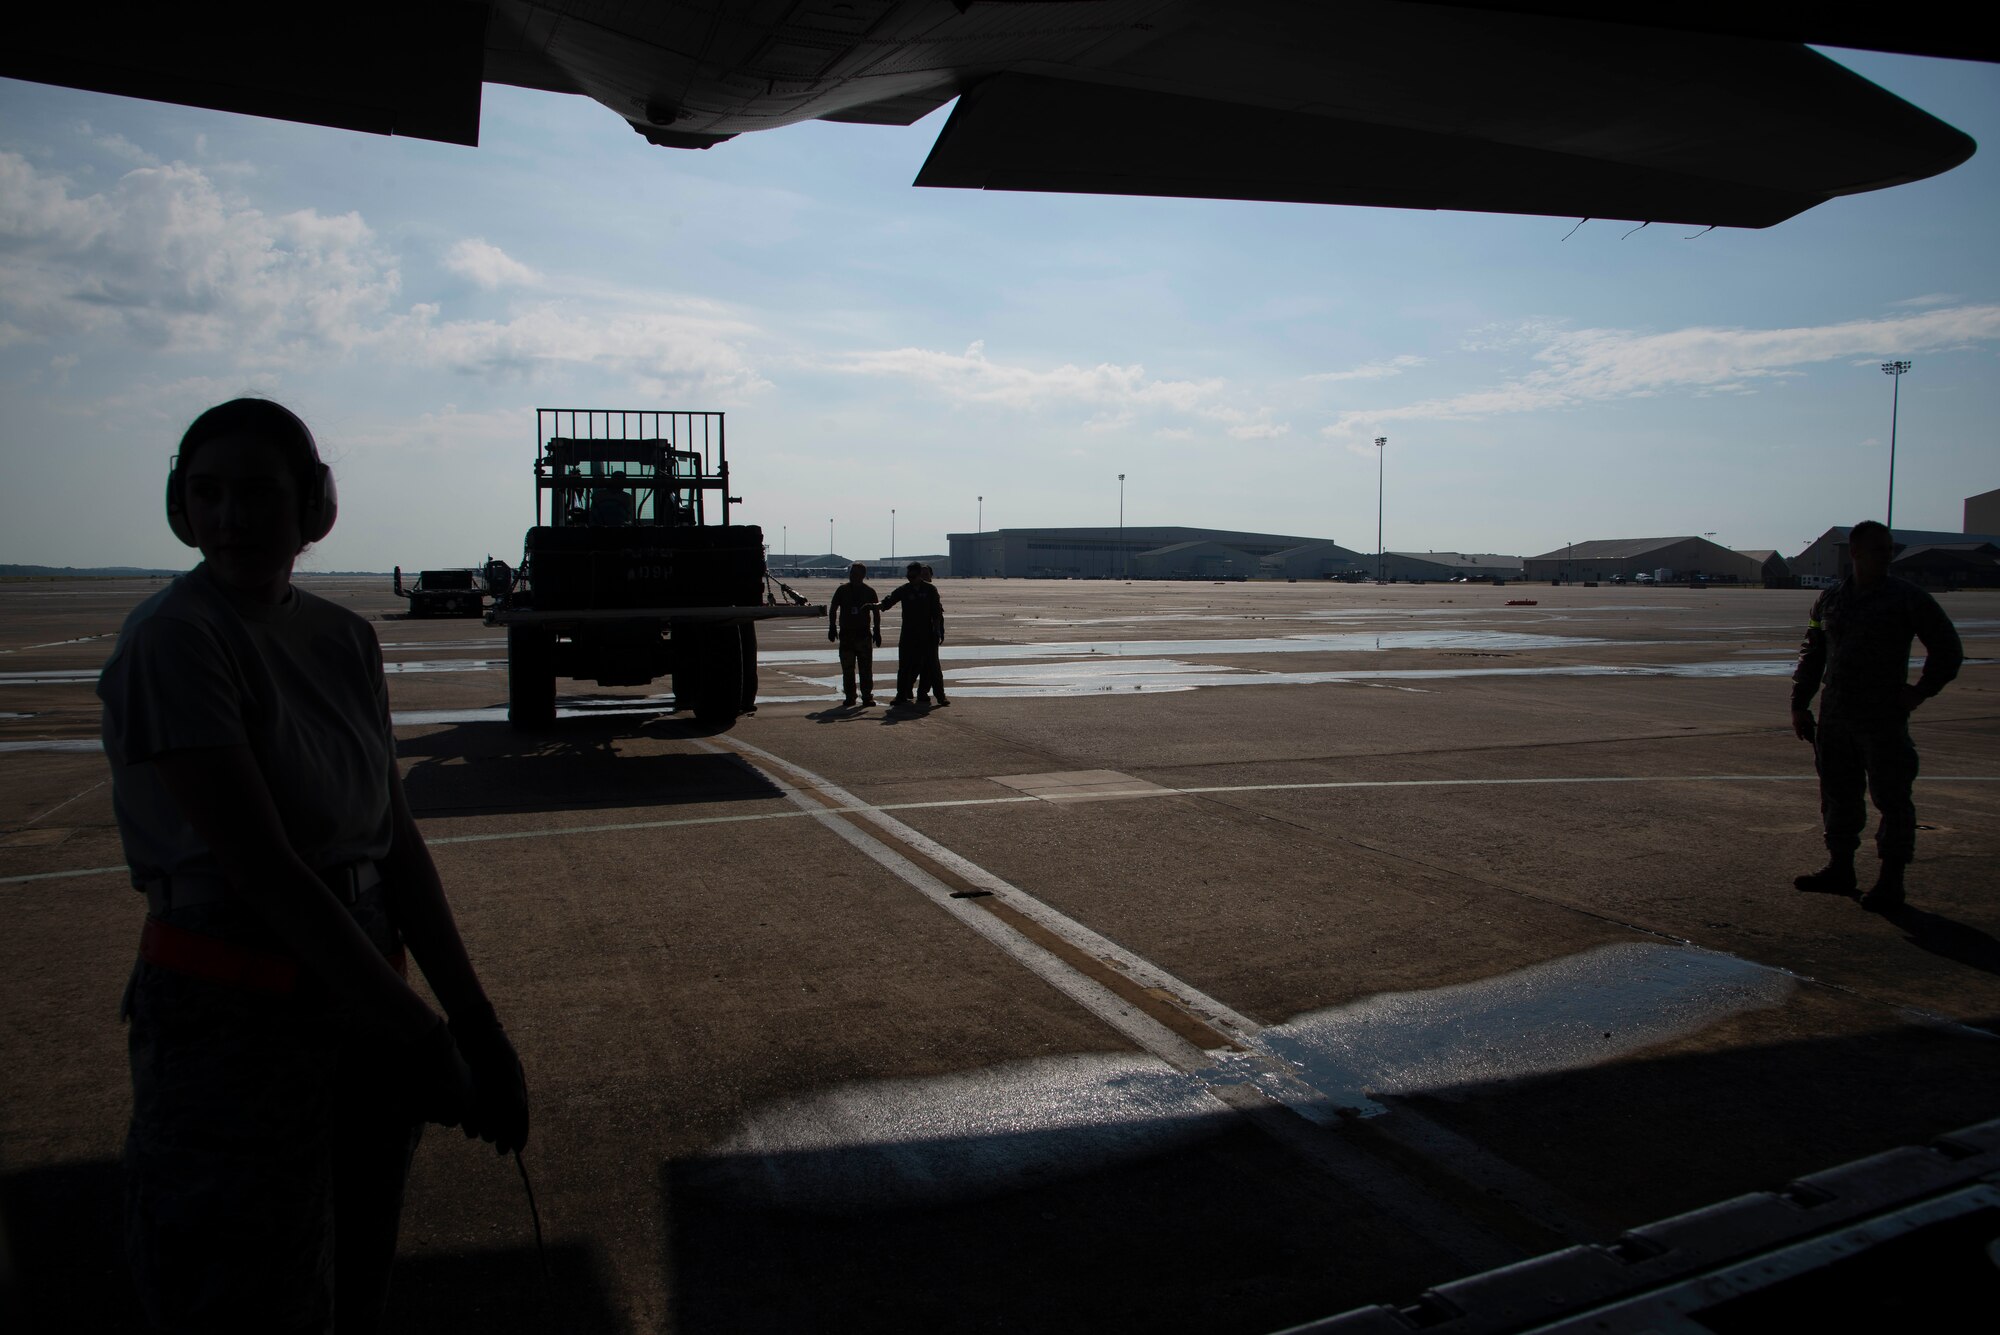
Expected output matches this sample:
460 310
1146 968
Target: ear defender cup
177 518
320 506
317 510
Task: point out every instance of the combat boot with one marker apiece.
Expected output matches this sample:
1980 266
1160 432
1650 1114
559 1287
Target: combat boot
1835 878
1886 895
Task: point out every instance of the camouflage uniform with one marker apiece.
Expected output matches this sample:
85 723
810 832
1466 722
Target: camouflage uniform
848 618
917 642
1858 643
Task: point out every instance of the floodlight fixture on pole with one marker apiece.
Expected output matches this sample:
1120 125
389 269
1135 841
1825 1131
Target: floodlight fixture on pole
1894 370
1121 526
1381 456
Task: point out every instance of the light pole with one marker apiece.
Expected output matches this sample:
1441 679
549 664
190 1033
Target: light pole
1381 457
1894 370
784 539
892 533
829 535
1121 526
982 514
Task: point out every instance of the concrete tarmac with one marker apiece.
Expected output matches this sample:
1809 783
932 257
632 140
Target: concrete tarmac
1222 957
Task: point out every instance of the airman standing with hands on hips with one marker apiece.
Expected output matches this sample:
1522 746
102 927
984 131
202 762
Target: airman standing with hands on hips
282 1066
1858 644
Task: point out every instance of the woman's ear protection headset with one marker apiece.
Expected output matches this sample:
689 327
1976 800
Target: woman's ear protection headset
318 506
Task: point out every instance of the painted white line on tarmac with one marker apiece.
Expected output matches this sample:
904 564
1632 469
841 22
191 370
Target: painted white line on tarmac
1242 1073
1147 1032
859 807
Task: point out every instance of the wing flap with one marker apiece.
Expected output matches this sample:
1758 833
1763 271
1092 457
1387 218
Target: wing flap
1560 119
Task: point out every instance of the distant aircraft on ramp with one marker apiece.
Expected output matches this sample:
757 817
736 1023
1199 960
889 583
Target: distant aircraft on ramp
1696 112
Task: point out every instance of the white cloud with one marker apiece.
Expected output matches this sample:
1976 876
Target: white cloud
971 377
487 265
170 262
1114 397
1930 299
1371 370
1597 365
165 259
664 351
117 145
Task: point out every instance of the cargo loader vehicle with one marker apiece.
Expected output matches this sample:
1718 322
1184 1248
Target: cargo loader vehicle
632 571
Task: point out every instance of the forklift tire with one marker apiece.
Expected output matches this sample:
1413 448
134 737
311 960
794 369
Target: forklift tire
748 649
708 674
531 676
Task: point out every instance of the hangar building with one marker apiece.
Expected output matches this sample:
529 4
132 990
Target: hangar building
1930 557
1605 559
1448 565
832 565
1318 560
1982 512
1115 553
1777 571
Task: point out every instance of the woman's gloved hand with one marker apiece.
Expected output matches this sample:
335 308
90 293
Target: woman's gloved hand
500 1111
441 1081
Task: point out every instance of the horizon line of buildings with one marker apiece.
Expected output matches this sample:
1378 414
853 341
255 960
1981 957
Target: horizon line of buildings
1180 552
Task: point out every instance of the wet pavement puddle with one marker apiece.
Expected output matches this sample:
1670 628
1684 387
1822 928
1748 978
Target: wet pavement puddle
1038 681
1047 681
1020 1124
1332 643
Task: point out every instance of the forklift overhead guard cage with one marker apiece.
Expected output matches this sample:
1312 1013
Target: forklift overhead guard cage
670 461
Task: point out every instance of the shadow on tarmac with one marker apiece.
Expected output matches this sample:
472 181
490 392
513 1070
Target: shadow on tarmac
1231 1234
882 713
1948 939
1222 1236
66 1271
490 769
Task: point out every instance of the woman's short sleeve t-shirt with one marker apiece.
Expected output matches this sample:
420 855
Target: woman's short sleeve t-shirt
300 683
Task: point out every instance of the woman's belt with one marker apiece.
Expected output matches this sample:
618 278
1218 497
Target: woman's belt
217 961
348 881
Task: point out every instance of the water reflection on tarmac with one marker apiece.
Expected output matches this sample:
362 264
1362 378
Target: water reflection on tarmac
1020 1124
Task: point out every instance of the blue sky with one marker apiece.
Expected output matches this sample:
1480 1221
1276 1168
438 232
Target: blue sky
879 347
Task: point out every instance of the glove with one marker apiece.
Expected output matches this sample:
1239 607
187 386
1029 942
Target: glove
500 1109
833 637
440 1082
878 641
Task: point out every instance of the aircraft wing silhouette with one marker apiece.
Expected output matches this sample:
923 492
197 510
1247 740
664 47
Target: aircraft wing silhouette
1713 114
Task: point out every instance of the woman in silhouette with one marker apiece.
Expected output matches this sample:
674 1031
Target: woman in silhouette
282 1067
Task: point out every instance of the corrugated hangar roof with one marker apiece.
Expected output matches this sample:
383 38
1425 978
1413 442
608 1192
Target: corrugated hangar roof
1611 549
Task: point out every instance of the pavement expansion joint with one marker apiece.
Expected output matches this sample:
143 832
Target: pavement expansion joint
1476 1206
